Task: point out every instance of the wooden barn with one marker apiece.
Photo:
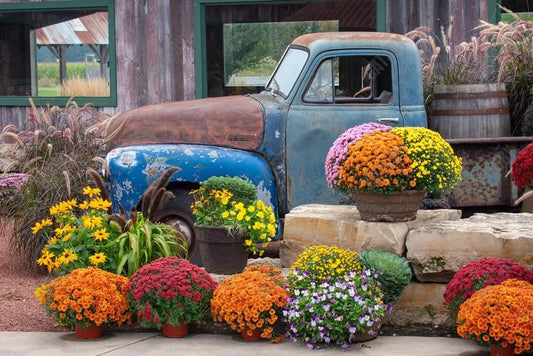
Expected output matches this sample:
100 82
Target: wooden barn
151 51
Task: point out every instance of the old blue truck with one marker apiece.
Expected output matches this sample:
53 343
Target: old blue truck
278 139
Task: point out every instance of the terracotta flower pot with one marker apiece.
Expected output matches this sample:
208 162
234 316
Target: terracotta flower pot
498 350
175 331
394 207
251 335
88 332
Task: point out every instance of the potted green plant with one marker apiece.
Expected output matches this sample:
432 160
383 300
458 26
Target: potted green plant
86 299
499 316
170 293
230 223
393 272
252 302
332 299
389 172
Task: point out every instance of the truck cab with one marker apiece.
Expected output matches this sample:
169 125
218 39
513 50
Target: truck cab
278 139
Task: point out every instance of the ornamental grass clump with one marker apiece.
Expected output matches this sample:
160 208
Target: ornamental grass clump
480 274
231 203
170 290
337 153
86 296
404 158
253 299
499 315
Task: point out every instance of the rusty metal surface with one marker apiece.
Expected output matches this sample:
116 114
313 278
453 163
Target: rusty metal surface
90 29
309 39
232 121
486 162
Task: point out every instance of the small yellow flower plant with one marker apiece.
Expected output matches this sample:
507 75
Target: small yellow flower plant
235 208
79 235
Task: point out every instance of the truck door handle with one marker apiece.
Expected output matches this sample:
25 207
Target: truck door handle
388 119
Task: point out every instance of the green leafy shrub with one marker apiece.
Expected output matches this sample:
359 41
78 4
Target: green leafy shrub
242 190
394 272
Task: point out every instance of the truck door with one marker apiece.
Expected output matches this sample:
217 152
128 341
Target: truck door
339 91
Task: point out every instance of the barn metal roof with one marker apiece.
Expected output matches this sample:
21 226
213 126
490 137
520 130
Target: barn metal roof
90 29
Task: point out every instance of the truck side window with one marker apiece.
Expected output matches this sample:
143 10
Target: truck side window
321 88
355 79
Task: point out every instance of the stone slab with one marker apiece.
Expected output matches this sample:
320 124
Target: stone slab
341 226
420 304
437 251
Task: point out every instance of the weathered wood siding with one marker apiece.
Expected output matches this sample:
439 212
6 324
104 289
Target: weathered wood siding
405 15
155 52
155 45
154 56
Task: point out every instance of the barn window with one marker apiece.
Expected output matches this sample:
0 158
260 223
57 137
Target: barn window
244 39
51 51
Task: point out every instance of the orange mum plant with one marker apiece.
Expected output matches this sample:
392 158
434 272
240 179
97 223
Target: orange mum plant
404 158
253 299
500 314
86 296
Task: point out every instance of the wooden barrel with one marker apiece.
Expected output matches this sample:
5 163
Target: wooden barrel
470 111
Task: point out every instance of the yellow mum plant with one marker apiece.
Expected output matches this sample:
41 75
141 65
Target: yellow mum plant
320 262
231 202
253 299
86 296
499 314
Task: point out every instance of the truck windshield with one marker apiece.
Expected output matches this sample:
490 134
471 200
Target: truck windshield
287 72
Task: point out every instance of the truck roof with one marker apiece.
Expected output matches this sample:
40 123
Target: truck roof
326 40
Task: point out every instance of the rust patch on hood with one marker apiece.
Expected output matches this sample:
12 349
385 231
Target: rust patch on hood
231 121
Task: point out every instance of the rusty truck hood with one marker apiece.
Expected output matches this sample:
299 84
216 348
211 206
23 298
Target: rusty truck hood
232 121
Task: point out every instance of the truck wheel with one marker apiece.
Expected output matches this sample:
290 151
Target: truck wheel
178 214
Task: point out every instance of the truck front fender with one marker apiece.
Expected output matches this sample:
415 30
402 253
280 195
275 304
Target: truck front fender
133 168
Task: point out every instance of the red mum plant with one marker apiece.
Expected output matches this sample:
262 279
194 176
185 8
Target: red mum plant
170 290
480 274
522 170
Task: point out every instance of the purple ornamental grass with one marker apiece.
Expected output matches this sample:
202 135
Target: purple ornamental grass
337 152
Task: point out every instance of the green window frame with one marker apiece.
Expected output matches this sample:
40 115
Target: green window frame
106 5
200 55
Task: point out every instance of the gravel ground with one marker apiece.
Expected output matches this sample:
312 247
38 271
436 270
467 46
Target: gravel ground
20 309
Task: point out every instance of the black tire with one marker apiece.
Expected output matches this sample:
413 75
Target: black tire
178 214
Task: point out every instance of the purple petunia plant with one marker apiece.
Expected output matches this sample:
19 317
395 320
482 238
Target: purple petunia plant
337 153
334 311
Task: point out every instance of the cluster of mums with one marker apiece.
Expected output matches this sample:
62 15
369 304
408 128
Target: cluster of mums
330 296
